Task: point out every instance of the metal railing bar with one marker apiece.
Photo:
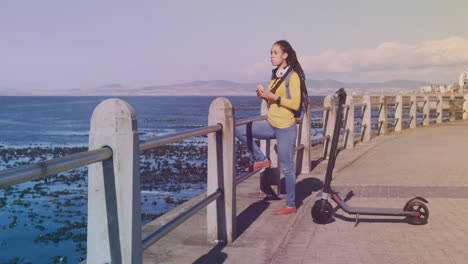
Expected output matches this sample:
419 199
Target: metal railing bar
299 147
171 138
51 167
175 222
320 109
377 123
342 132
250 120
319 139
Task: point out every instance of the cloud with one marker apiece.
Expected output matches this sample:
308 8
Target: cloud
435 60
391 56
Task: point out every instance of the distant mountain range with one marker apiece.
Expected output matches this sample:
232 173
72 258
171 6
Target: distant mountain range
225 88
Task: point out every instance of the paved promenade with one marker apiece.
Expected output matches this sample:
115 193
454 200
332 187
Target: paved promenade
385 172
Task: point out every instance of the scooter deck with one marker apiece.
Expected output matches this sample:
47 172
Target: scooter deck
371 211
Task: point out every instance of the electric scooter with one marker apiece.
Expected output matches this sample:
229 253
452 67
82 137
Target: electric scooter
415 210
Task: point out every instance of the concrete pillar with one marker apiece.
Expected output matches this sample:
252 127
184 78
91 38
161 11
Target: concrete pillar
427 110
465 106
366 117
383 115
328 123
305 140
440 106
413 111
272 175
349 122
452 115
114 218
398 113
221 215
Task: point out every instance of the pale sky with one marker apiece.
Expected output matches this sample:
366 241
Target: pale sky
57 44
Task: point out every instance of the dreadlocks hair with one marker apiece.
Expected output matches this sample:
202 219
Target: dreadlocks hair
293 62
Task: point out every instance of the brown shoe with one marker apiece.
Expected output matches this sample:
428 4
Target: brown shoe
259 165
286 210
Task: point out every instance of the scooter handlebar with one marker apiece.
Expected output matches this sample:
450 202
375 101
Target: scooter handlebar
341 92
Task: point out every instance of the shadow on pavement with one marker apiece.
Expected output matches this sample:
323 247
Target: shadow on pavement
214 256
244 220
364 220
249 215
304 189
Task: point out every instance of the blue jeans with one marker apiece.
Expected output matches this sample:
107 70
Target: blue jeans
286 141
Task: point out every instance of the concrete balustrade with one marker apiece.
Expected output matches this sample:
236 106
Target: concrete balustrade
114 223
366 118
465 106
413 111
269 176
382 115
349 127
114 218
221 215
328 122
304 139
426 110
439 108
452 108
398 113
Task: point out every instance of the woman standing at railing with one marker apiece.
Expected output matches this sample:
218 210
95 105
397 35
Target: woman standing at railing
281 122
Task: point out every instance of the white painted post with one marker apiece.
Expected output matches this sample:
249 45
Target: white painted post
366 117
452 115
440 107
272 175
427 110
465 106
413 111
399 113
114 218
305 140
221 215
383 115
350 122
328 123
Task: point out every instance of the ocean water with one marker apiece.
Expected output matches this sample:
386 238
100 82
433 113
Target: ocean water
65 121
45 221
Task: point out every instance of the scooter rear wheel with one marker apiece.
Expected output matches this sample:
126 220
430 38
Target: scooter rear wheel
421 208
319 216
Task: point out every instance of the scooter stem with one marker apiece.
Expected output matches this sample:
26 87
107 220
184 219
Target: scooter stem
336 134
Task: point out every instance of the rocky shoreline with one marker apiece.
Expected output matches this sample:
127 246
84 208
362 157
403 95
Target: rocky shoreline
52 212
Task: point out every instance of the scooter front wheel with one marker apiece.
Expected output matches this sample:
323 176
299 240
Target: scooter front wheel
421 208
322 216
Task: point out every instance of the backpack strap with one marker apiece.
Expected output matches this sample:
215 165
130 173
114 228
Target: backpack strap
299 113
286 82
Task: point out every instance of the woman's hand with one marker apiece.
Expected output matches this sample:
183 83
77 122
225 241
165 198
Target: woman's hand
265 94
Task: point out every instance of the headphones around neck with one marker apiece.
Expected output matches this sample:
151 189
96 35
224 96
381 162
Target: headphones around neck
281 72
